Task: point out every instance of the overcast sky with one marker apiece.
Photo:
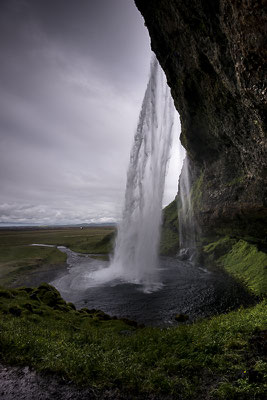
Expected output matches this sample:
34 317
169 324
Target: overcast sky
72 77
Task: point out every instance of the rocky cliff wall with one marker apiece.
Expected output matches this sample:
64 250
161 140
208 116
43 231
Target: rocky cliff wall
214 55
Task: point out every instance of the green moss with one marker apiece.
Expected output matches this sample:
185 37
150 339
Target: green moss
215 250
240 259
50 296
236 181
169 243
92 350
246 263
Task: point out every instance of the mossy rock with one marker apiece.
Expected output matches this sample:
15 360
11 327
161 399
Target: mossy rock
169 241
71 306
62 307
6 294
15 310
26 289
129 322
215 250
86 311
50 296
240 259
103 316
181 317
29 307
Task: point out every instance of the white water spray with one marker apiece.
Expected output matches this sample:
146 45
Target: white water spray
136 252
187 228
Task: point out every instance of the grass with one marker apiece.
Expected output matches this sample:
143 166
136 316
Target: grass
241 260
217 358
84 240
18 258
169 243
246 263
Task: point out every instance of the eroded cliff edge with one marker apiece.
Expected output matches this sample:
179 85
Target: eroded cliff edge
214 55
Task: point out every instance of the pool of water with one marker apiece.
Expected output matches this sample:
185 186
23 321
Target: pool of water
185 288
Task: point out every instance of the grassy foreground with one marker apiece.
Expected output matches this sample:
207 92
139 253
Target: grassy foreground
217 358
17 258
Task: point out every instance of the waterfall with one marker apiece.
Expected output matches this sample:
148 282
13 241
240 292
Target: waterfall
136 251
187 227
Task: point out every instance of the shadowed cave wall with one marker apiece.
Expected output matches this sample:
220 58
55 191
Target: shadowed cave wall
214 55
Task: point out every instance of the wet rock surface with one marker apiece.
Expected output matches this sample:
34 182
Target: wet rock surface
214 55
181 317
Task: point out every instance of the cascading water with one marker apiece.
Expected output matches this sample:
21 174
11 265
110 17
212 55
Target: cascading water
136 251
185 288
187 226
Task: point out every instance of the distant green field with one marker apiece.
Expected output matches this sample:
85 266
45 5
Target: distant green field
17 257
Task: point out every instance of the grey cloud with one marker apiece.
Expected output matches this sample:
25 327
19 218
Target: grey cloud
71 84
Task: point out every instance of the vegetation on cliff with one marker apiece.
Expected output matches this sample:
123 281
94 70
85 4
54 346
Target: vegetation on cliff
214 55
169 242
219 358
240 259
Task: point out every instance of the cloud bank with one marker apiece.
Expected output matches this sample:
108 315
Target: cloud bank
72 78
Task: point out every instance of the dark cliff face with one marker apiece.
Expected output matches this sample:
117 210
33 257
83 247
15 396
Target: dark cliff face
214 55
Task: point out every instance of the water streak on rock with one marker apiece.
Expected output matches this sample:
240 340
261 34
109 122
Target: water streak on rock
187 225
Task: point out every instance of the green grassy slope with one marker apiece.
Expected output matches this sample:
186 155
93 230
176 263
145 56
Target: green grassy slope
169 243
241 260
218 358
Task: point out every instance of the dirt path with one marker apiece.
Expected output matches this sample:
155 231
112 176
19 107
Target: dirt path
23 383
